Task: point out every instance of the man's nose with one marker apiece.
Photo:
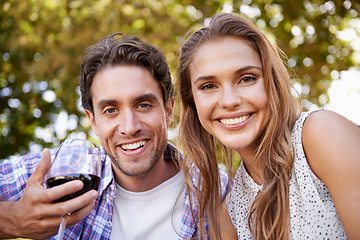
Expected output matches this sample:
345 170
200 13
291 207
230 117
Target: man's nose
129 123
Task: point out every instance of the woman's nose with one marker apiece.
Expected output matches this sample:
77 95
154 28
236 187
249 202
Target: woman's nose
230 98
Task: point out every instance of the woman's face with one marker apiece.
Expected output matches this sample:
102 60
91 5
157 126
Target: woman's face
229 92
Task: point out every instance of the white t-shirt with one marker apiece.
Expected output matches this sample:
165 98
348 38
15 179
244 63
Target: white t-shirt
149 215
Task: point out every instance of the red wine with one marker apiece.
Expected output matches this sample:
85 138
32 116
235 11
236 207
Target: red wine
90 182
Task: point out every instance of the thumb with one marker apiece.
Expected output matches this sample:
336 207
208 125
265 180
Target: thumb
42 168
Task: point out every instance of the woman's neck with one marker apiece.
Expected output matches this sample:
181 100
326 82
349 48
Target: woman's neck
248 157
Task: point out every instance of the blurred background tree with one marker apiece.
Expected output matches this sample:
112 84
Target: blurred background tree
41 42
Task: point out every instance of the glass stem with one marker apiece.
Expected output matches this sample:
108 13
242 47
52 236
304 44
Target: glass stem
62 227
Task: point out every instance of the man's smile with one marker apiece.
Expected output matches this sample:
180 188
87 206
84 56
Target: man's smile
133 146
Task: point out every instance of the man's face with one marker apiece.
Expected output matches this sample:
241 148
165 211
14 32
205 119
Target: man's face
130 118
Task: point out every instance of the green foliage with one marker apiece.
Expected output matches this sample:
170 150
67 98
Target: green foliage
41 44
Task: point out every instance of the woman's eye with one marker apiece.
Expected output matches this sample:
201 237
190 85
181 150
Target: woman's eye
247 79
207 86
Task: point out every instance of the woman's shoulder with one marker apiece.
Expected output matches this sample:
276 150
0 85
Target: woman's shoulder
323 116
328 137
319 121
326 125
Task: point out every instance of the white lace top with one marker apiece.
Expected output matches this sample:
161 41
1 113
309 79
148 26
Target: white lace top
312 211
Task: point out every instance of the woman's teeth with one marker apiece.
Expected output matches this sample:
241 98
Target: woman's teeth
232 121
133 146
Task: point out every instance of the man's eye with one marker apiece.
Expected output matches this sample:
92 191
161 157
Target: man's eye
110 110
144 105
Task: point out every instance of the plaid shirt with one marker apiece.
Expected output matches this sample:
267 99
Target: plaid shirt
98 223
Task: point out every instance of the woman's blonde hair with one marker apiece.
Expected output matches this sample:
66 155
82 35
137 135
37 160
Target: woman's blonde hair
269 216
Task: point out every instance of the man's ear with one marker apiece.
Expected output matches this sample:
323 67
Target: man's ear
170 111
91 118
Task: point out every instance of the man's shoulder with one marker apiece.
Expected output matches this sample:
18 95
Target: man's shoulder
223 172
225 181
172 152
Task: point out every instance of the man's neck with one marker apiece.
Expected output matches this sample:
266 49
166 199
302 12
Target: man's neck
162 171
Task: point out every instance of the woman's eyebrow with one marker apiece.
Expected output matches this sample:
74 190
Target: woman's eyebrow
206 77
243 69
246 68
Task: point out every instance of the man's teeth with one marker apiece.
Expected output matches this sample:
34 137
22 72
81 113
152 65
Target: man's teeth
232 121
133 146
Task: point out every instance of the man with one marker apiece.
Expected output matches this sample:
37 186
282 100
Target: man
128 96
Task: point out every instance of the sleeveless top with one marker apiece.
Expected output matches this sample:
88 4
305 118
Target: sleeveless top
312 210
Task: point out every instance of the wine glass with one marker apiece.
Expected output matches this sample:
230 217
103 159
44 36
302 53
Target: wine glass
76 159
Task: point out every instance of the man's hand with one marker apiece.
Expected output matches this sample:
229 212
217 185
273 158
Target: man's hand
35 215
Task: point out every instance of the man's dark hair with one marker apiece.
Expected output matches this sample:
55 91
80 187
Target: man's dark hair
119 49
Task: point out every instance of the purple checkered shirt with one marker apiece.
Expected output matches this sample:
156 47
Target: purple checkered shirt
98 223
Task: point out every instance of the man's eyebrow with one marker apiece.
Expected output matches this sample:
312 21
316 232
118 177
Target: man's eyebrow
243 69
106 102
146 97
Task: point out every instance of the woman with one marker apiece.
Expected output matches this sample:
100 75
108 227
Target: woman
299 176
